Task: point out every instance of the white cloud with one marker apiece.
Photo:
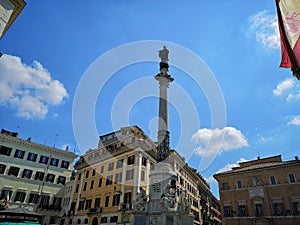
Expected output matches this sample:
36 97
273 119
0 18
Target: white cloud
293 96
213 142
284 86
226 168
265 27
295 121
29 90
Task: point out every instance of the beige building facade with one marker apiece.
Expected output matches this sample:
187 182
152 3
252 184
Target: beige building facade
261 191
29 170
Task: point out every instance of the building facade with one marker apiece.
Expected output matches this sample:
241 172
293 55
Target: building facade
261 191
112 177
9 10
29 170
204 205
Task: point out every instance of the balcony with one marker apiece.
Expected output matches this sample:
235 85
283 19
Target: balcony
94 210
125 206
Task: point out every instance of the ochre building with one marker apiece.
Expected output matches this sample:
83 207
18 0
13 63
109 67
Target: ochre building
261 191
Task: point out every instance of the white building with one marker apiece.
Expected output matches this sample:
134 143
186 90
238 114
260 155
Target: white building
29 170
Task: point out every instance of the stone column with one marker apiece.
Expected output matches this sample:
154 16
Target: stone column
164 80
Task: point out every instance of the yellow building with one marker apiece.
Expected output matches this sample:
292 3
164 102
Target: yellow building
262 191
109 179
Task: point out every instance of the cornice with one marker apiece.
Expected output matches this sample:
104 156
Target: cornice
7 138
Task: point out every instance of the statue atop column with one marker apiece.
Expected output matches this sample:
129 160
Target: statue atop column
164 54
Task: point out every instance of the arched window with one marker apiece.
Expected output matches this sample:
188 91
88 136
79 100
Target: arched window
95 221
86 221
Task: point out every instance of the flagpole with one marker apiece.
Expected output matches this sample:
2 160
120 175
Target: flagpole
43 184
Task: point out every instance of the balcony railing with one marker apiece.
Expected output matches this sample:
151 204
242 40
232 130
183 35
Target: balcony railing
94 210
125 206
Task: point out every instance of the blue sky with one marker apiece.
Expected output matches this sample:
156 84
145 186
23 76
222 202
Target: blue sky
52 44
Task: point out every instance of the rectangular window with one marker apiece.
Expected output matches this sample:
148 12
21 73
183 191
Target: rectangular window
118 178
31 156
88 204
227 211
6 194
61 180
130 160
296 208
19 154
129 174
45 200
272 180
114 219
103 219
14 171
111 166
54 162
127 197
239 184
81 205
116 200
39 176
152 167
102 169
44 159
106 201
144 161
20 196
100 182
50 178
97 202
92 185
87 174
258 210
77 188
65 164
225 186
242 210
27 173
292 178
57 201
5 150
33 198
109 180
120 163
93 172
2 168
84 186
278 209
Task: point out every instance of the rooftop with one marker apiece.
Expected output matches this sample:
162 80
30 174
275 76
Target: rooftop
9 136
264 163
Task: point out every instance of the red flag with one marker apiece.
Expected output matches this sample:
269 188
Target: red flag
288 12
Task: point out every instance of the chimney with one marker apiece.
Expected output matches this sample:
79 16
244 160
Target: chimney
296 158
67 148
258 158
10 133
